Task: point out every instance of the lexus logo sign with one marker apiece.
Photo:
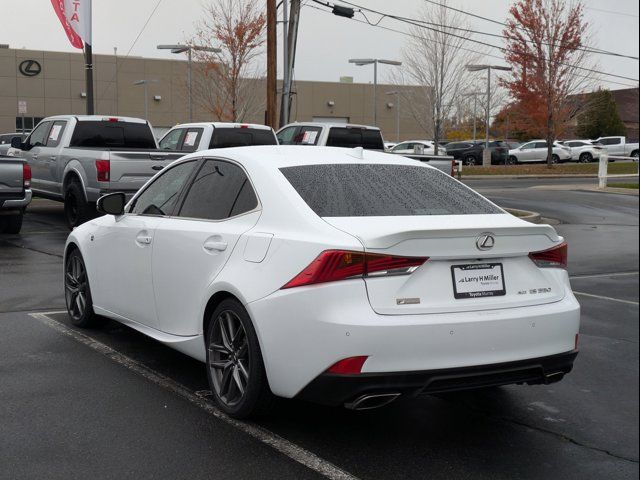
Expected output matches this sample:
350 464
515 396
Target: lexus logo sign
485 241
30 68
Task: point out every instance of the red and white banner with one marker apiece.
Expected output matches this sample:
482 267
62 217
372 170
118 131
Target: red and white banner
75 16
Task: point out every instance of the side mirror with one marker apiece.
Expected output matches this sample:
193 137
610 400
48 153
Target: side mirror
16 142
112 204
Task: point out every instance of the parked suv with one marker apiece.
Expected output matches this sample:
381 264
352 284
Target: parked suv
331 135
583 151
471 152
193 137
77 159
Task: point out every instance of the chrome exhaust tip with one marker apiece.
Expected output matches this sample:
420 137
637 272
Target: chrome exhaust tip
554 377
369 402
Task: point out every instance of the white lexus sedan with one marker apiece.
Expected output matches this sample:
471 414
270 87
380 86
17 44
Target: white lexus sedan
344 277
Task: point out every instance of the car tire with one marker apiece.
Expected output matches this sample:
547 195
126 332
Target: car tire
77 292
470 160
11 224
76 209
511 160
634 154
235 368
555 159
585 157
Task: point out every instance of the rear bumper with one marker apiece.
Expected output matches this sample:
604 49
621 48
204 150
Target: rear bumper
16 203
304 331
334 390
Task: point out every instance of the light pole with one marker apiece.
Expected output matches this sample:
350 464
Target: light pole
145 83
360 62
486 155
179 48
397 94
475 108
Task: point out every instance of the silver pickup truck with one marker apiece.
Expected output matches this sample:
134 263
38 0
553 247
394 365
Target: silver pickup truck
15 193
77 159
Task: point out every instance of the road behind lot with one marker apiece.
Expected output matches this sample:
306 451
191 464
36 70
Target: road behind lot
111 403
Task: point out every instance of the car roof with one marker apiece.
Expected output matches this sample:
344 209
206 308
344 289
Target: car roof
223 125
95 118
278 156
322 124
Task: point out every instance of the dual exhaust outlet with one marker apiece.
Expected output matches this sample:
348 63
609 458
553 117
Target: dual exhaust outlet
369 402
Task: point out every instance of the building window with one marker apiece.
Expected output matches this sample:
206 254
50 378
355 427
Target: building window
26 124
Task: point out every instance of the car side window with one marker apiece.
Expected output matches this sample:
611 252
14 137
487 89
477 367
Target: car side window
220 190
307 136
614 141
161 196
527 146
541 144
286 136
171 141
55 134
191 139
400 146
38 137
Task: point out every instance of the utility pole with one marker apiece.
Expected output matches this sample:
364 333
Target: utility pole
286 84
272 57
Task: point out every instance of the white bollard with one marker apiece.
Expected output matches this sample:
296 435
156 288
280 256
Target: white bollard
602 170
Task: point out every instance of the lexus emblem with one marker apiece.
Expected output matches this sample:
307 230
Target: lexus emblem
30 68
485 241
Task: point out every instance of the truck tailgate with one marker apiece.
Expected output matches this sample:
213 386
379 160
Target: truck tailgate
129 170
10 176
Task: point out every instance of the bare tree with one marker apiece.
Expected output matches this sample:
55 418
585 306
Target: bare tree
545 46
225 83
436 57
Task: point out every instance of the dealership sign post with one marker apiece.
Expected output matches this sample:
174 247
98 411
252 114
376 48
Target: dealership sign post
75 17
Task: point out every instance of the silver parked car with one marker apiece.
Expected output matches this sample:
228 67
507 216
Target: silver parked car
536 151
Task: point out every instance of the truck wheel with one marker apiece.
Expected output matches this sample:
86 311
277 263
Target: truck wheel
76 209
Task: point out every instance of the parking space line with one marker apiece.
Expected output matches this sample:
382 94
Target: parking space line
611 299
285 447
604 275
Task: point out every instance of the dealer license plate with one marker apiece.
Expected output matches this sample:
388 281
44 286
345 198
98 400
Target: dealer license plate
478 280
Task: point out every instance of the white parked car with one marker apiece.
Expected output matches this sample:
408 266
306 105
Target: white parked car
583 151
318 134
341 276
409 147
536 151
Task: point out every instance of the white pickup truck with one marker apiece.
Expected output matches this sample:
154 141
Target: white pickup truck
194 137
618 146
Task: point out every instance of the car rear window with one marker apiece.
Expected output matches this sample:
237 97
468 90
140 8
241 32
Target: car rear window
241 137
352 137
371 190
106 134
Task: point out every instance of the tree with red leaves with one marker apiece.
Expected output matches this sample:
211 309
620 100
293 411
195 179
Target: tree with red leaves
226 83
546 48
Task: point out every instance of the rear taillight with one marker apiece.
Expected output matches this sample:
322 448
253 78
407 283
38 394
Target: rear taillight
26 175
348 366
103 170
555 257
335 265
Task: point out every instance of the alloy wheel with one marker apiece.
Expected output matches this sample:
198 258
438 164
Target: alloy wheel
229 358
75 287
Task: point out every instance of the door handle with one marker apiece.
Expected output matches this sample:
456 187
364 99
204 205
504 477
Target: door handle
143 238
53 158
157 167
215 246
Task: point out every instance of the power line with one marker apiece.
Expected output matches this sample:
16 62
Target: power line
406 34
502 24
502 49
132 45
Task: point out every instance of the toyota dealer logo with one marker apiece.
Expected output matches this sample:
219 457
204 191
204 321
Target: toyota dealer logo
30 68
485 241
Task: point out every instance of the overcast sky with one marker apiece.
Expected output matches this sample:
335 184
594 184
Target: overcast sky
326 42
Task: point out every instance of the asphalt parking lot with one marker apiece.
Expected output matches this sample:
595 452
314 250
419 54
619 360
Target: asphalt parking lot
110 403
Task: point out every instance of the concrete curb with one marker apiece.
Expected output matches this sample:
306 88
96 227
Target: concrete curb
526 215
530 177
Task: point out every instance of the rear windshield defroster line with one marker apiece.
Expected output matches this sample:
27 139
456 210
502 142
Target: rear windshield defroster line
373 190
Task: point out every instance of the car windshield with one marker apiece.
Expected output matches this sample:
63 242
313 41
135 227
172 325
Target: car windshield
374 190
